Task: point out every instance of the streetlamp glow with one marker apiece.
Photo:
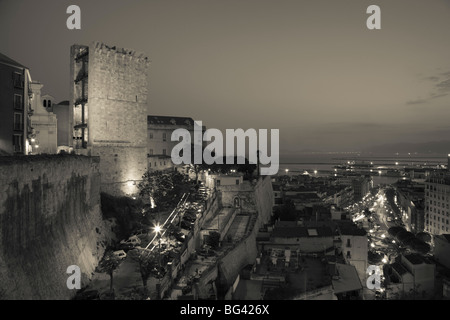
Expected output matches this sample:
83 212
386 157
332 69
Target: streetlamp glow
157 229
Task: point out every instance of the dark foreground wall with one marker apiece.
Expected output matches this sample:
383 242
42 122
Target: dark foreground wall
50 219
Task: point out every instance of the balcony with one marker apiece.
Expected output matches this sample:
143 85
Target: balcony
81 77
80 126
80 101
82 55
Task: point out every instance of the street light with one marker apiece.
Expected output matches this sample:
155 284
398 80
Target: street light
157 229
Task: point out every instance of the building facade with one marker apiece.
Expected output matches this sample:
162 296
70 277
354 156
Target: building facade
410 197
437 203
62 112
159 142
442 249
361 186
109 106
43 122
354 246
15 107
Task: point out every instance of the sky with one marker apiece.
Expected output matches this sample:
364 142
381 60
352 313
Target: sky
311 69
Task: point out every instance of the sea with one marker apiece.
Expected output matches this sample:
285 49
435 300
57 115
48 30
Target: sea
323 164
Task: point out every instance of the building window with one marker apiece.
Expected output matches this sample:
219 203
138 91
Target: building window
18 101
17 142
149 164
151 152
18 124
349 256
237 181
45 103
155 163
164 151
18 80
151 135
164 136
348 243
49 103
218 182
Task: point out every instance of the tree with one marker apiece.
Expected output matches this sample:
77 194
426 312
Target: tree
108 264
148 263
165 188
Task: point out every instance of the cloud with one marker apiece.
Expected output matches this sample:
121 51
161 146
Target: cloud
432 78
418 101
441 85
444 85
435 96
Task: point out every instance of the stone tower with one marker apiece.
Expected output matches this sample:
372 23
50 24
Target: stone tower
109 99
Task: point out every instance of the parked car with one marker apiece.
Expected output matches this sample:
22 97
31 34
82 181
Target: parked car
134 240
120 254
186 225
180 236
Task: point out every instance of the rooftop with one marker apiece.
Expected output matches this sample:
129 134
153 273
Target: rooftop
168 120
347 280
350 229
401 270
301 232
7 60
415 258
